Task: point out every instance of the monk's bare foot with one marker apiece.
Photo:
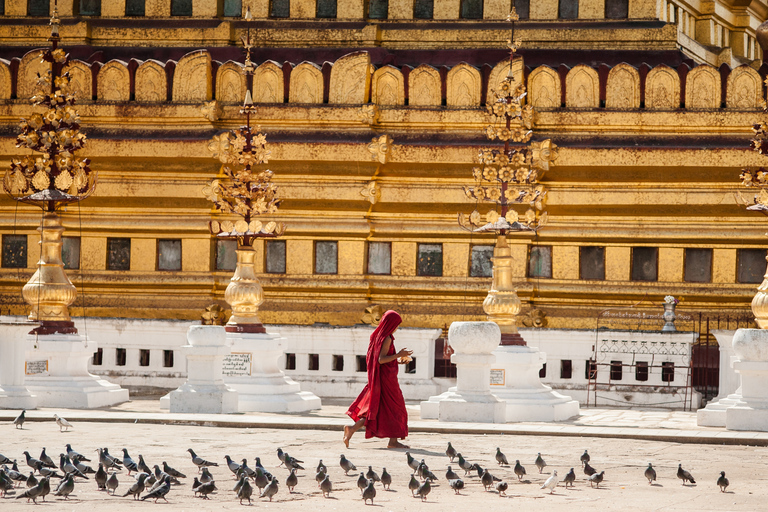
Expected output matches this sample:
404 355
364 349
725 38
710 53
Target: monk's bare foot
347 436
397 445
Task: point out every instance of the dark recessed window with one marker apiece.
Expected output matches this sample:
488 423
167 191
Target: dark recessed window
167 358
226 254
90 8
233 8
98 357
279 8
540 261
181 7
14 251
480 264
377 9
70 252
169 255
326 257
135 7
290 361
37 7
645 263
314 362
120 356
616 370
523 8
326 8
751 265
423 9
592 263
275 258
379 258
430 260
471 9
698 265
616 9
143 357
569 9
337 363
641 371
566 369
590 370
543 371
667 371
118 254
362 366
410 366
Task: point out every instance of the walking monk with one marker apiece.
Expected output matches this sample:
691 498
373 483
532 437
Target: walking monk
380 406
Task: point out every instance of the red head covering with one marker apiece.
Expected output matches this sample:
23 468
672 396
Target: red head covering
387 325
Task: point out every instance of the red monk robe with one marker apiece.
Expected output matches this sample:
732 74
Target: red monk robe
381 402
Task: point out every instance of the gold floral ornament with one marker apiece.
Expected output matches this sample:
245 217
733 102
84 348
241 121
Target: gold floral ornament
215 315
756 178
368 114
372 192
380 148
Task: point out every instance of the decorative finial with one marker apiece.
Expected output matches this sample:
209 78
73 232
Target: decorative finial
248 16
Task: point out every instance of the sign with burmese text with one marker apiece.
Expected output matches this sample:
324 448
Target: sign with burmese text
237 364
35 367
497 377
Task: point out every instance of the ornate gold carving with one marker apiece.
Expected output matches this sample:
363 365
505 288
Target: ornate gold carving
582 87
215 315
244 292
80 80
350 79
211 110
463 86
373 314
424 86
745 90
268 83
388 86
368 114
544 87
535 318
230 83
113 82
30 67
702 88
380 148
662 88
192 78
500 72
372 192
306 84
151 82
622 90
5 80
502 303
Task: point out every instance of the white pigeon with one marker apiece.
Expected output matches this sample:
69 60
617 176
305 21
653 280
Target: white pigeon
62 423
551 483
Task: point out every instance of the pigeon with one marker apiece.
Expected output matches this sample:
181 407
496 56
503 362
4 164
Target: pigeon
722 482
46 460
292 462
540 463
72 454
584 458
463 464
33 492
159 492
50 473
162 479
206 476
261 480
62 423
450 452
371 475
413 484
386 479
570 477
326 487
424 489
245 491
369 492
291 481
84 468
15 475
457 484
112 483
362 482
129 463
596 479
175 474
321 467
451 474
413 463
67 467
501 488
241 478
346 465
319 477
143 465
196 484
160 476
233 466
519 470
6 484
421 469
684 475
31 480
270 490
203 490
107 460
101 477
589 470
33 462
65 488
501 458
200 462
281 456
551 483
19 422
138 486
6 460
487 480
46 487
650 473
244 469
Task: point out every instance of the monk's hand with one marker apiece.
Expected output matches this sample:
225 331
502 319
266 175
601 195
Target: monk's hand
404 356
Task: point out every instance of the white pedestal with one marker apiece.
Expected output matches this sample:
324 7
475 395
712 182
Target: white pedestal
13 392
517 382
471 400
713 415
204 392
64 381
750 347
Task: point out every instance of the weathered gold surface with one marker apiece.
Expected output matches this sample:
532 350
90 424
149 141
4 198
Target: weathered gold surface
502 303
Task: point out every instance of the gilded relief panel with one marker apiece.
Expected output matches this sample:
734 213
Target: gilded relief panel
745 90
388 86
463 86
5 80
500 72
192 78
29 67
622 91
80 80
662 88
702 88
230 83
424 86
113 83
582 88
544 87
151 82
306 84
350 79
268 83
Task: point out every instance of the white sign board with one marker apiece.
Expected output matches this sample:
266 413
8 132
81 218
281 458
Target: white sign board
35 367
497 377
237 365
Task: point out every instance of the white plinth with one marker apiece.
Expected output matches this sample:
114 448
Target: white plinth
713 415
517 383
13 393
471 400
64 381
750 347
204 392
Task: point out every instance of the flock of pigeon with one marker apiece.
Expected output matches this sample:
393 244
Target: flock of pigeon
155 483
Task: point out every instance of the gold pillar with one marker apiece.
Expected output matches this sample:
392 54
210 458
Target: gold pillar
502 303
49 291
244 293
760 303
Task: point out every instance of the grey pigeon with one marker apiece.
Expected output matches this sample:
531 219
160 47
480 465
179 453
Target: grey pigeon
501 488
321 467
129 463
50 472
540 463
196 485
451 474
46 489
84 468
650 473
138 486
684 475
371 475
107 460
596 479
159 492
413 484
281 456
722 482
15 475
206 476
240 481
46 460
369 492
270 490
32 462
589 470
245 469
143 465
72 454
62 423
33 492
519 470
412 463
584 458
233 466
112 483
463 464
570 477
6 484
67 467
319 477
163 479
362 482
457 484
6 460
31 480
487 480
326 487
205 489
291 481
101 477
174 473
245 492
551 483
346 465
66 487
450 452
424 489
386 479
260 479
501 458
199 461
160 475
19 422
